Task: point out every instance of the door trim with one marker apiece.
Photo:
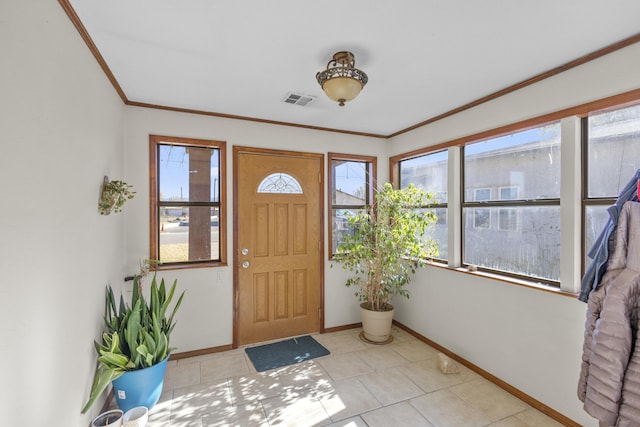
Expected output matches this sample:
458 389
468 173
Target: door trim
237 150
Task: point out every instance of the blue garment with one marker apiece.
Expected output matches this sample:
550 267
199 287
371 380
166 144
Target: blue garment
599 252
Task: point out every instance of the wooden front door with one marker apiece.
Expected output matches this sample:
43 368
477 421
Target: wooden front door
278 253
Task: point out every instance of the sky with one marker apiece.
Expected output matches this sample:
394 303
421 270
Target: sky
174 172
511 140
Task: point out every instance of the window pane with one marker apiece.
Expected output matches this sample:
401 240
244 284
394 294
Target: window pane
482 194
508 219
350 181
524 164
481 218
595 219
428 172
531 248
613 150
508 193
280 183
188 174
339 220
439 233
189 233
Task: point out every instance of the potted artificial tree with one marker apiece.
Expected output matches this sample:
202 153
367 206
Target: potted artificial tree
135 348
383 251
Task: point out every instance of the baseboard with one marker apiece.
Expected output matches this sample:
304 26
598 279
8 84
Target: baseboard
201 352
342 328
550 412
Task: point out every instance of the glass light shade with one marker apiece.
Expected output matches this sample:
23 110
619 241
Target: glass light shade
342 89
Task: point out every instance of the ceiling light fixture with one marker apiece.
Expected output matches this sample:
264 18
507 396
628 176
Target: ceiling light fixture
341 81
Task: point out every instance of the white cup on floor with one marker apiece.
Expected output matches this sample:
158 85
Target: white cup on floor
136 417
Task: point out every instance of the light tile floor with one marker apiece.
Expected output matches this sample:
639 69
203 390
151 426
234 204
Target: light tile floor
356 385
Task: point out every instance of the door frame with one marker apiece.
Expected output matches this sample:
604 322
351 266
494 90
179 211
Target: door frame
237 150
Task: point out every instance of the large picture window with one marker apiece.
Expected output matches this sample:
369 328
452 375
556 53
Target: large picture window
429 172
511 206
352 180
504 196
187 201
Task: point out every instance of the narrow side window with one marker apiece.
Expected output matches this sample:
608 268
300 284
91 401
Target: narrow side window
352 180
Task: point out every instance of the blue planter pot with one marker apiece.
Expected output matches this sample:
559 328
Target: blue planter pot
140 388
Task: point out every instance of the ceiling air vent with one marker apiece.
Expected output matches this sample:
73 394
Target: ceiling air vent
298 99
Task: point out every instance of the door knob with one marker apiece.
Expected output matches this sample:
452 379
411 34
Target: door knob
245 251
245 264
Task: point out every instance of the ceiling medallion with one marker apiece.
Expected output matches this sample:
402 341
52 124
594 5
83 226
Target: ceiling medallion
341 81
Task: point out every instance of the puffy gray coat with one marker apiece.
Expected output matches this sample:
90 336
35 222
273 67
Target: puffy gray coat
609 382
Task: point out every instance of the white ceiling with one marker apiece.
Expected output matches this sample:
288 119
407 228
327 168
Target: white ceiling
423 57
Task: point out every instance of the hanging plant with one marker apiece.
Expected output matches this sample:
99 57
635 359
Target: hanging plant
114 194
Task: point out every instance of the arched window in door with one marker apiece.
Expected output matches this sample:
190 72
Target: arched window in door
280 183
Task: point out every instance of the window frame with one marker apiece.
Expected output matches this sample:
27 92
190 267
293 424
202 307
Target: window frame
503 203
371 182
395 173
154 203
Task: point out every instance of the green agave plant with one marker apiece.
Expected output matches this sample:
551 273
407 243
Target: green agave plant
136 336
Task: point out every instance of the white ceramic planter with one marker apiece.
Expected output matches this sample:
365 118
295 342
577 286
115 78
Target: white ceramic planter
111 418
376 325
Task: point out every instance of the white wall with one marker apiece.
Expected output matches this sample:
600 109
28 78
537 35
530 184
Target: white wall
61 131
206 317
63 128
529 338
